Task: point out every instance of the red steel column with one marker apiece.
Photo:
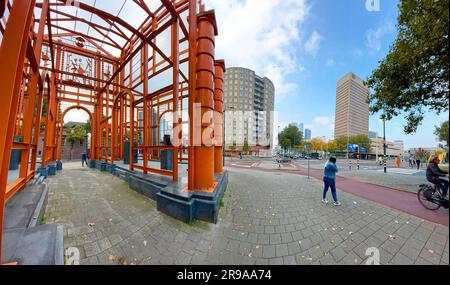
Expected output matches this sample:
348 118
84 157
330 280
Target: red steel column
12 56
218 116
204 154
192 75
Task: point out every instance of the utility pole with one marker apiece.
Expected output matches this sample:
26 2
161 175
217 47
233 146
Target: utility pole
358 154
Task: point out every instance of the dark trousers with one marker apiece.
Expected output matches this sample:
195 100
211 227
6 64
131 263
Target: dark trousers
418 164
329 183
84 160
444 186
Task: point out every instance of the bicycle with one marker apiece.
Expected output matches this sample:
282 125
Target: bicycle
431 197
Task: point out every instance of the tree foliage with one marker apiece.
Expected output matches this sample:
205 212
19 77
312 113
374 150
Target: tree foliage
76 134
291 137
360 140
442 133
413 78
422 154
318 144
246 147
88 126
332 146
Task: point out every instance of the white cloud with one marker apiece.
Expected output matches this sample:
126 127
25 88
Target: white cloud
312 45
325 122
330 62
262 35
373 37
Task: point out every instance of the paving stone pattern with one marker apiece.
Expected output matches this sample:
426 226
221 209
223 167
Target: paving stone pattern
268 218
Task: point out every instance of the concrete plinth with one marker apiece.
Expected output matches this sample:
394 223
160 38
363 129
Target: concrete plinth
191 206
25 240
170 197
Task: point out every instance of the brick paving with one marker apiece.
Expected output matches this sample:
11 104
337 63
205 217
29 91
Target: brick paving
268 218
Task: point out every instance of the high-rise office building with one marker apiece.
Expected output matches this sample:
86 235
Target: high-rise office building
308 134
301 127
352 108
249 102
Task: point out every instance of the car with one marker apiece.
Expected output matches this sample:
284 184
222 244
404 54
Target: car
284 159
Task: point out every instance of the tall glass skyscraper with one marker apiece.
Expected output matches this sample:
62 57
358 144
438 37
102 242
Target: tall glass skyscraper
307 134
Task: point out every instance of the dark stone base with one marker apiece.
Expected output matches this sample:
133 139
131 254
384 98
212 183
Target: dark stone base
188 207
92 163
170 198
145 187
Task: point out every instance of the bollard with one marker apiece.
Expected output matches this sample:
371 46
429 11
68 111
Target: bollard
51 169
308 168
43 171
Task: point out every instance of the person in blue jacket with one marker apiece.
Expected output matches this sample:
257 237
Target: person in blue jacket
329 179
84 159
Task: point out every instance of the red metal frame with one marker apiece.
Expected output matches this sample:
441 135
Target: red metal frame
49 68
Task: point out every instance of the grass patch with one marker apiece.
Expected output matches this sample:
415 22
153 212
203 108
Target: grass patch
43 220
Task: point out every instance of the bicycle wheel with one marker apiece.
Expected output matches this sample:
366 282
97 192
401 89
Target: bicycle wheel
430 203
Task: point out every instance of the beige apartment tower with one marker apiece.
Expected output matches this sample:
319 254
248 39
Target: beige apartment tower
249 102
352 108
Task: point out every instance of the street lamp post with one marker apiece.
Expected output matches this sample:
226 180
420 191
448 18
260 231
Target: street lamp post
224 133
358 154
279 142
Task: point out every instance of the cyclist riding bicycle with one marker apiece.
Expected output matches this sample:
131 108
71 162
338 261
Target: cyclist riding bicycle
434 174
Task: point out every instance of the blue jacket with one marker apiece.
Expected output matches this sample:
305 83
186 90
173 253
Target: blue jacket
330 170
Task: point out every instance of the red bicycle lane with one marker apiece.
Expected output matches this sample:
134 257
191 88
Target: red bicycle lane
400 200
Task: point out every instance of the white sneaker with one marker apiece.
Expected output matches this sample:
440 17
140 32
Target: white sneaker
337 204
325 201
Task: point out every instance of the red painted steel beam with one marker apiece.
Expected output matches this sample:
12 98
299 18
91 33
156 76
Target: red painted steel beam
12 56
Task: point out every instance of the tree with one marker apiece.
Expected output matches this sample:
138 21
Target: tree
413 78
246 147
233 147
73 135
332 146
360 140
422 154
318 144
341 143
291 137
285 143
88 126
442 133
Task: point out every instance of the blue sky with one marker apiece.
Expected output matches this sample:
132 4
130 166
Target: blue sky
312 45
304 47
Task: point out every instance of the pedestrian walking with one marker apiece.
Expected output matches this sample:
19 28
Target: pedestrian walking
329 179
84 159
418 162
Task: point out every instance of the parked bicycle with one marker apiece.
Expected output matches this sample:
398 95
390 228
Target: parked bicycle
430 196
